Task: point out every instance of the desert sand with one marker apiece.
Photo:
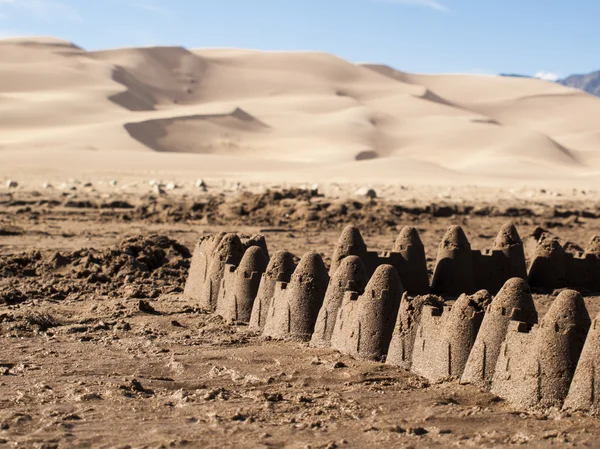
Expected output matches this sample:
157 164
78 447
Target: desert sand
282 116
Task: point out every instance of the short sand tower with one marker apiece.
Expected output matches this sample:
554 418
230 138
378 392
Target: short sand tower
295 306
445 337
240 286
453 273
412 266
405 331
350 243
280 269
365 323
584 393
258 240
228 251
351 276
548 266
535 366
194 286
583 268
505 260
513 303
509 242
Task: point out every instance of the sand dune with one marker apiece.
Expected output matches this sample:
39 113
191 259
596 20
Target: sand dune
306 111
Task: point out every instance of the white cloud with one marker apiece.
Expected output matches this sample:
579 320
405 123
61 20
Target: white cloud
46 10
546 76
433 4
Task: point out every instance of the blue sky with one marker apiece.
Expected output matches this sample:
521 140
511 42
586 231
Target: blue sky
428 36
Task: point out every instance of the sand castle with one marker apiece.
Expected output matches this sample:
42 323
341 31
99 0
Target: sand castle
548 267
280 269
351 276
412 265
459 334
239 286
583 392
365 323
446 335
505 260
513 303
409 317
536 365
350 243
453 272
295 306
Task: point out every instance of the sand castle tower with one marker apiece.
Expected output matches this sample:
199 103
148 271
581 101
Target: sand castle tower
509 243
405 331
365 323
203 250
548 267
258 240
350 243
583 268
513 303
280 269
350 276
228 251
295 306
535 367
453 273
584 392
240 286
445 338
412 267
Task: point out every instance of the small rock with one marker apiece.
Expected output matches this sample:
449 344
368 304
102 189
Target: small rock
366 192
418 431
171 186
12 184
145 307
158 190
47 185
113 182
200 183
338 365
153 182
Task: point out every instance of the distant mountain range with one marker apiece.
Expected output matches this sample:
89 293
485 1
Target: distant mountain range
589 82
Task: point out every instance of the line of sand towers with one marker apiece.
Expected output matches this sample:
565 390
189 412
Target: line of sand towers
382 307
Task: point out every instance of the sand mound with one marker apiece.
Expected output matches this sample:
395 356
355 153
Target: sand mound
341 120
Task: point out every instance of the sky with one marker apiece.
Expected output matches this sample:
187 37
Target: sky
550 38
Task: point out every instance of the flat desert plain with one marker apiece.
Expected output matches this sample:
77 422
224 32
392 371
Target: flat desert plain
101 207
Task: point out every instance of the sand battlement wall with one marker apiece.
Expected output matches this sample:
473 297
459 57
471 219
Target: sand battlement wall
382 307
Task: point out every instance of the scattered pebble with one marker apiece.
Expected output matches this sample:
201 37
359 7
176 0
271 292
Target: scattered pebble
158 190
417 431
12 184
366 192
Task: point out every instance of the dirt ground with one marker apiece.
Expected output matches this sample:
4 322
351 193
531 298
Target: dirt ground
100 348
